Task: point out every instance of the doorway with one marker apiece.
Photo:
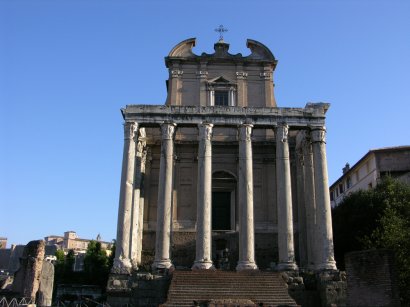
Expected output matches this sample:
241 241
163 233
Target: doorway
221 210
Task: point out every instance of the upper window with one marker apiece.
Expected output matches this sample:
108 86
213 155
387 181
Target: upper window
221 92
221 98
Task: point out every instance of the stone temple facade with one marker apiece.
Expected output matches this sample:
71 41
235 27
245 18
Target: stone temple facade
219 176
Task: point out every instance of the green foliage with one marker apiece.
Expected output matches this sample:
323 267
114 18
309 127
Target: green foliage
96 264
376 218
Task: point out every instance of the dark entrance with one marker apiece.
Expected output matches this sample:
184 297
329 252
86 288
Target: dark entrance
221 210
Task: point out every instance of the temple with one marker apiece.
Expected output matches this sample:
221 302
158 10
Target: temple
220 177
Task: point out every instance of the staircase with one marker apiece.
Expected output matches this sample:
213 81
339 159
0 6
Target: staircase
226 288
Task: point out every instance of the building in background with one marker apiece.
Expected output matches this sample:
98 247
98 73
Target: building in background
3 242
377 163
70 240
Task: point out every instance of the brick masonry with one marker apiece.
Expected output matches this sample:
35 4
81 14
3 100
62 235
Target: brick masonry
371 279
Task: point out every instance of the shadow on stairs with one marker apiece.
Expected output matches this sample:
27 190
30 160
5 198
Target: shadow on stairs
225 288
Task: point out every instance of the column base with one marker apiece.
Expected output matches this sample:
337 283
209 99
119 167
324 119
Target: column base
246 265
287 266
163 264
134 264
122 266
329 265
203 265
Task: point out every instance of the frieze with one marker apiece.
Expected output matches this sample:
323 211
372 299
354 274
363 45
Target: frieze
150 115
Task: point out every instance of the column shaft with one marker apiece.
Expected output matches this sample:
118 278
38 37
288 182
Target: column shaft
122 262
300 186
246 223
135 212
323 233
310 202
140 217
284 201
203 259
162 243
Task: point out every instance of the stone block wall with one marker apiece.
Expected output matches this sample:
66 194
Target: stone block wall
371 279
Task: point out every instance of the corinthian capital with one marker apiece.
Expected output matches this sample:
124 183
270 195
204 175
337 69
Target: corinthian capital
130 130
282 131
245 132
318 135
205 131
167 130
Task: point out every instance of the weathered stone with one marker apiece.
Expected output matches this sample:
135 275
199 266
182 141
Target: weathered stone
27 278
45 291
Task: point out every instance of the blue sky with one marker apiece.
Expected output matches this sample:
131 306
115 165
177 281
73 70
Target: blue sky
67 67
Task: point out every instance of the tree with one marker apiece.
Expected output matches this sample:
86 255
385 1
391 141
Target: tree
96 266
376 218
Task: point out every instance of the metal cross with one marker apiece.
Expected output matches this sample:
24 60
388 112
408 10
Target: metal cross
221 31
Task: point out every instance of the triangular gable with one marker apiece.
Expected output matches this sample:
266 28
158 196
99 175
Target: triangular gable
220 79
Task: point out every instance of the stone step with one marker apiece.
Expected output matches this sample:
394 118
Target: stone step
259 287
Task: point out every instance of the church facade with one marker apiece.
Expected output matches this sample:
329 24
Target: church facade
219 176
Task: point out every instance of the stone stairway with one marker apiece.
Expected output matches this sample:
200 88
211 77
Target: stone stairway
226 288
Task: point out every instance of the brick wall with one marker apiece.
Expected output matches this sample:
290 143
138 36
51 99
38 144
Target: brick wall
371 279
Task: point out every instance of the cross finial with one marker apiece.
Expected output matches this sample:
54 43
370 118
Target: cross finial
221 31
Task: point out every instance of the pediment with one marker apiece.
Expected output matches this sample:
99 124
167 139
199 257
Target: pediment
220 79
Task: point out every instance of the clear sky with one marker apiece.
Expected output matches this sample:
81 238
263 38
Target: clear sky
67 67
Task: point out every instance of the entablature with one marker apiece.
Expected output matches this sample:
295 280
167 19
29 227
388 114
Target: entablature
313 115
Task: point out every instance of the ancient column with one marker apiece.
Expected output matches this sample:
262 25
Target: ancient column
162 243
122 261
136 208
323 232
284 201
141 202
300 192
246 225
203 259
309 182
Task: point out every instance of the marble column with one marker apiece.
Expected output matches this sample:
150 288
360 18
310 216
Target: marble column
141 203
246 223
136 208
122 261
300 192
163 234
309 182
323 233
284 201
203 259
